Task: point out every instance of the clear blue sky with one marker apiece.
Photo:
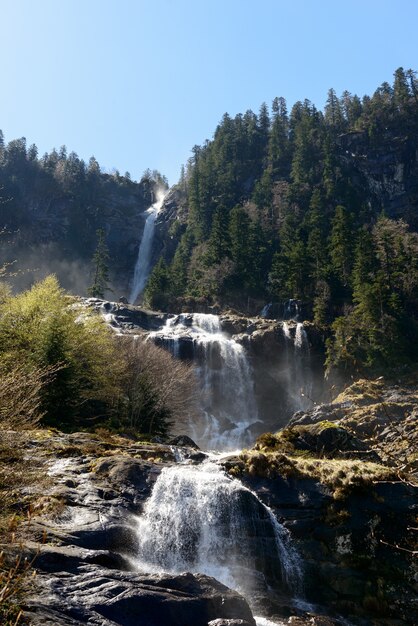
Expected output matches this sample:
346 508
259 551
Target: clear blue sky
137 83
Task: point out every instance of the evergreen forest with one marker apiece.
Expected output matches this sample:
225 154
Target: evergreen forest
279 205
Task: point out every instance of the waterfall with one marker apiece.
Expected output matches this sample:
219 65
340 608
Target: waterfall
266 310
198 518
201 520
225 375
143 262
291 310
299 379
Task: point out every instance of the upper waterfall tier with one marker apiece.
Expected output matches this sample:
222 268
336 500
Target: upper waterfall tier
143 263
253 374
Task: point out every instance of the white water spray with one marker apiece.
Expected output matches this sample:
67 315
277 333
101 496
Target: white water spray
199 519
228 404
143 263
298 371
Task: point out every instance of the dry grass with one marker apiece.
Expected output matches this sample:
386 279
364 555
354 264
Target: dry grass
340 476
16 479
16 574
20 400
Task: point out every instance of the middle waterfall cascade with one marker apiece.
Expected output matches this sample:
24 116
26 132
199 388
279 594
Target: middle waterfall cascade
226 380
201 520
143 263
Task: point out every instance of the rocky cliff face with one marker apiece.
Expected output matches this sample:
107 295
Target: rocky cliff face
343 476
386 168
55 234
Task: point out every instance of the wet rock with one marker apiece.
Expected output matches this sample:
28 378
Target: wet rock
198 457
99 596
314 620
348 547
228 622
183 441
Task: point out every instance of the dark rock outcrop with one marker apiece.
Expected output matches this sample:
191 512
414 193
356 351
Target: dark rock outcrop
82 593
183 441
386 169
326 439
357 552
86 565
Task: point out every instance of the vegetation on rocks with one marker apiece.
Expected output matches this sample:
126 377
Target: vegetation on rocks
340 476
381 413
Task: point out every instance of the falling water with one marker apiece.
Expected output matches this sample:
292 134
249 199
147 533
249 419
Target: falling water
143 263
265 312
226 380
199 519
298 370
291 310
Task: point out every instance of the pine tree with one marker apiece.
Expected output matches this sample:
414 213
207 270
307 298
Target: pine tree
341 245
333 113
239 232
101 270
316 245
401 90
218 242
156 294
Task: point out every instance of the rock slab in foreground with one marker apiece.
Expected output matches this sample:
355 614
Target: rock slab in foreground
103 597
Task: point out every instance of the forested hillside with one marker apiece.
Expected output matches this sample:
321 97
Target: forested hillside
52 206
315 206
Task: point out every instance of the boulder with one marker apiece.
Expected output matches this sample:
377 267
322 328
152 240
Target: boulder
183 441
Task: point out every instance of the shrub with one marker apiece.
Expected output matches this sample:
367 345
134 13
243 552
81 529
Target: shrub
39 329
157 389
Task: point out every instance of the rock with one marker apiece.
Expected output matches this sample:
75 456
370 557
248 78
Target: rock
198 457
348 548
228 622
123 472
329 440
99 596
314 620
382 416
126 316
123 300
183 441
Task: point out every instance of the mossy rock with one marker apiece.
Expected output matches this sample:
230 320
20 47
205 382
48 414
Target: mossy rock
323 439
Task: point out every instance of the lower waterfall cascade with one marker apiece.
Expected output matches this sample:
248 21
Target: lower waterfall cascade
199 519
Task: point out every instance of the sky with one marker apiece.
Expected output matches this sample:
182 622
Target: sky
138 83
